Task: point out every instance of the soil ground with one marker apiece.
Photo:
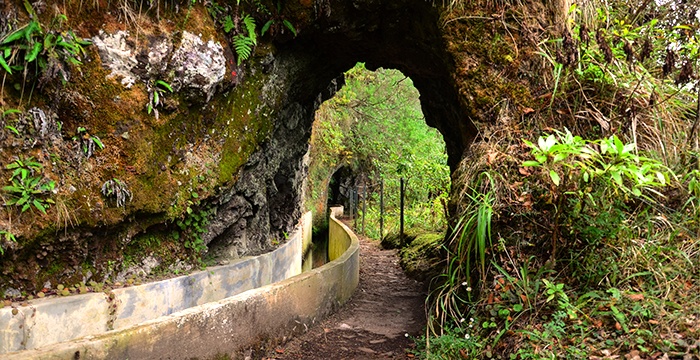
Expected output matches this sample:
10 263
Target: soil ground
378 321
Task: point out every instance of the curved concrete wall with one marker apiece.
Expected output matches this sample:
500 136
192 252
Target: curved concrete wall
223 326
54 320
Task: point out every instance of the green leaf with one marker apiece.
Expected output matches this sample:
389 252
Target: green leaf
249 22
559 157
266 27
289 26
11 111
617 177
97 142
39 206
531 163
165 85
31 56
5 66
555 177
16 35
13 129
228 24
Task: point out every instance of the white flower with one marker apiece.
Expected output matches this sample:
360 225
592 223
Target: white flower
461 320
406 335
466 336
469 288
471 320
464 283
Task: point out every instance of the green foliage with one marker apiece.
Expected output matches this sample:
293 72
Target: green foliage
88 143
7 237
453 343
606 162
193 225
52 50
117 189
244 41
27 190
466 251
375 127
273 24
156 95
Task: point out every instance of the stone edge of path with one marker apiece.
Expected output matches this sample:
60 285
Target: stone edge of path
49 321
228 325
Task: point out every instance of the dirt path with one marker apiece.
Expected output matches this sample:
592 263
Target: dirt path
373 324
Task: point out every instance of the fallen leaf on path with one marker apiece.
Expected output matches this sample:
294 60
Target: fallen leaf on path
636 297
524 171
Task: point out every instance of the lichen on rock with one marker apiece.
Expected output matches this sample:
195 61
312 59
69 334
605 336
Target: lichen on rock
117 55
199 67
195 67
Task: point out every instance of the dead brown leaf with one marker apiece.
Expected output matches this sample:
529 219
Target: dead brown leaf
636 297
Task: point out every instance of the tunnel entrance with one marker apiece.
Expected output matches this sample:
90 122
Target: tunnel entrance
368 137
307 70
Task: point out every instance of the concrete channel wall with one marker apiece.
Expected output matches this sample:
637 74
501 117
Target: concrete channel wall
205 330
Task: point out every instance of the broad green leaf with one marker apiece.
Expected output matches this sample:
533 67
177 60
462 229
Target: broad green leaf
531 163
559 157
617 177
39 206
555 177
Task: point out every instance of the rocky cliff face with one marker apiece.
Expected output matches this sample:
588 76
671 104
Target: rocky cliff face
204 148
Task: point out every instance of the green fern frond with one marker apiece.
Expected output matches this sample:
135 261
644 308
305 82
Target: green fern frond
243 46
250 26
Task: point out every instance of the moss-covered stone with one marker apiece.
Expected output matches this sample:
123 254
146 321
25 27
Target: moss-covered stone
422 258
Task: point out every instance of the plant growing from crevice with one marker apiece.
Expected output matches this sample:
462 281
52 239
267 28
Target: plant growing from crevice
52 50
156 95
27 189
246 39
7 237
277 23
118 190
193 224
6 114
87 143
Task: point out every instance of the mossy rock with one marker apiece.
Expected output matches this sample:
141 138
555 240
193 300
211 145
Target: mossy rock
421 259
393 240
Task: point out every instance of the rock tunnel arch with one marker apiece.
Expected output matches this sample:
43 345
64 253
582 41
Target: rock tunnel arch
256 191
402 35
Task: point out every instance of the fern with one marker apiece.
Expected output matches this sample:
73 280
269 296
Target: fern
250 26
228 24
244 47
